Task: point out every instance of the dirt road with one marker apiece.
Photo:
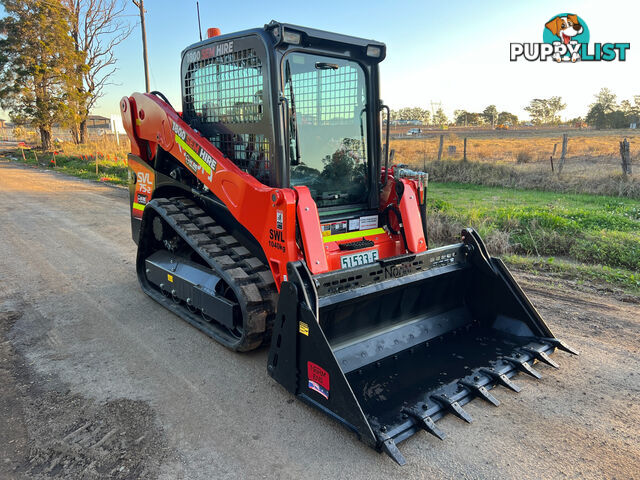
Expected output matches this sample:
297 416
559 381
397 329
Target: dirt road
97 380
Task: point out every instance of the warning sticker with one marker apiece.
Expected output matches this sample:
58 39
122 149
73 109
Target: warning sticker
368 222
303 328
333 228
318 379
170 277
354 224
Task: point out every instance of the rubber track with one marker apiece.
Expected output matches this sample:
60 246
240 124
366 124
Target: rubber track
249 277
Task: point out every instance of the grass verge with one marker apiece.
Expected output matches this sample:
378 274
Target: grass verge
581 273
590 229
111 168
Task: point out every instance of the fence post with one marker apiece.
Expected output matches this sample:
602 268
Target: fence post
625 154
565 140
553 154
464 151
440 147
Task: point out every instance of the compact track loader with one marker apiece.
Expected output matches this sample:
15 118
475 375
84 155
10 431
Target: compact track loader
267 212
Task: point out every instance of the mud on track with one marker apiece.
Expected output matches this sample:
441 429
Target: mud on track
98 381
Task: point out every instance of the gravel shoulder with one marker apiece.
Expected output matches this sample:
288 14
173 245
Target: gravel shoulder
98 381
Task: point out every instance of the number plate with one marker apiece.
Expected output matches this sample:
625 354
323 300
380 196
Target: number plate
357 259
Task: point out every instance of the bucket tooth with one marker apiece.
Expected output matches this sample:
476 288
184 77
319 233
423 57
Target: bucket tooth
560 344
389 447
524 366
501 378
541 356
454 406
480 391
425 422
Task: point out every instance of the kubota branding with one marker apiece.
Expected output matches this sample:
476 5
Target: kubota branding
565 38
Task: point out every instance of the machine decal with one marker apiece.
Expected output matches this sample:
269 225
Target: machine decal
279 219
209 52
170 277
354 224
276 239
351 235
203 159
370 221
303 328
141 181
334 228
318 379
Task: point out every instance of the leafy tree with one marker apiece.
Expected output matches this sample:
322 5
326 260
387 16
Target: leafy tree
617 119
490 114
545 111
597 117
464 118
506 117
440 118
606 113
607 99
37 61
411 113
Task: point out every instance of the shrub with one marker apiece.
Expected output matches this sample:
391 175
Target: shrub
523 157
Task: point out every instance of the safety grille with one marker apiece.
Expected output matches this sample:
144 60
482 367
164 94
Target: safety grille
326 97
249 151
225 89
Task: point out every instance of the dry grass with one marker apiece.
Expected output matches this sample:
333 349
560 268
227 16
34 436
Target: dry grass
497 159
504 147
103 147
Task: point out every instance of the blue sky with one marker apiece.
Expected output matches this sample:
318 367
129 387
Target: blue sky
454 52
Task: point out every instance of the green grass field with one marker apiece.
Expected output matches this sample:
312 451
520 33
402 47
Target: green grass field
580 229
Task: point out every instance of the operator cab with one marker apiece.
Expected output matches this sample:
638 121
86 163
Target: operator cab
292 106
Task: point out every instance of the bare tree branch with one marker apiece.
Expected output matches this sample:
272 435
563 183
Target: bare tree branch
100 26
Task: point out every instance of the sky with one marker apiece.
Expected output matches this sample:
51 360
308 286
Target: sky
453 52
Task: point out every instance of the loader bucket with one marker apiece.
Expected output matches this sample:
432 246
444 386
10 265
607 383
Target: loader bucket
389 348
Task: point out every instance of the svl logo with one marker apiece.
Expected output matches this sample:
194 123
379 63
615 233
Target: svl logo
565 38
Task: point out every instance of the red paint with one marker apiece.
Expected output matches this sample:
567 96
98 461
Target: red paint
410 214
309 222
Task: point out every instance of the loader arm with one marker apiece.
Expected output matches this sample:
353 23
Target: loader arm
150 122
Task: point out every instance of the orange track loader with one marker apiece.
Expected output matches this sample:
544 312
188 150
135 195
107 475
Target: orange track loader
266 212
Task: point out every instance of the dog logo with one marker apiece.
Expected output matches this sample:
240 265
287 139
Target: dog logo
565 39
566 28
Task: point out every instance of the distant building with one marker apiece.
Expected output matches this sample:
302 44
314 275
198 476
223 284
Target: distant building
98 121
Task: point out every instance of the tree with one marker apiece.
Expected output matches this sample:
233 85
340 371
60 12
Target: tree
490 114
411 113
597 116
440 118
97 27
37 59
464 118
545 111
607 99
506 117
